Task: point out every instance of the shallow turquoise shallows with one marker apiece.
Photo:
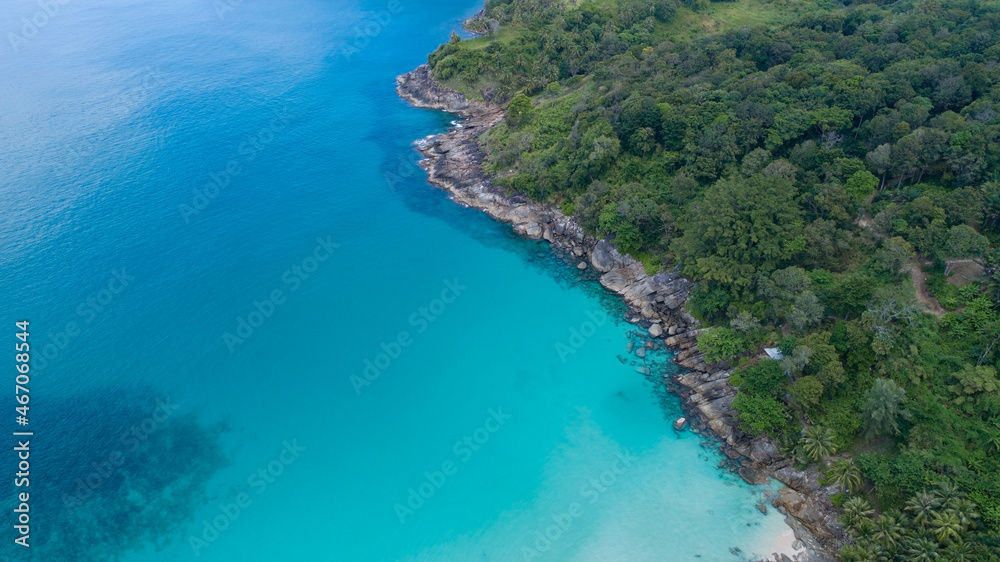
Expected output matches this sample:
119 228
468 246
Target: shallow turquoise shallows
259 334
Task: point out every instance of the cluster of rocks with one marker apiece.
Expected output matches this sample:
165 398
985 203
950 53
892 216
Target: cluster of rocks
708 398
644 352
453 161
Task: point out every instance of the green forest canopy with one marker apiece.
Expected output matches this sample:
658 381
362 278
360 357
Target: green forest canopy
802 161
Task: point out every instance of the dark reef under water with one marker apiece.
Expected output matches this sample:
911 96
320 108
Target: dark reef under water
123 470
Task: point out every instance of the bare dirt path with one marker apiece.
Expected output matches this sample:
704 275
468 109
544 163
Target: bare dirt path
923 295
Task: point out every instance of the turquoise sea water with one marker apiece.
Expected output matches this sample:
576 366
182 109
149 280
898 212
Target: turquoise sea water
251 343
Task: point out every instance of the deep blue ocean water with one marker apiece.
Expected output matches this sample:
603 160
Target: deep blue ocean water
259 334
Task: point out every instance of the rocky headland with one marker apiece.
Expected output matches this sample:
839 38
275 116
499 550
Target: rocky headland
454 160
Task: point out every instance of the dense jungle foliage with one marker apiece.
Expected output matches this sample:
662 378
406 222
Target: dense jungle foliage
830 176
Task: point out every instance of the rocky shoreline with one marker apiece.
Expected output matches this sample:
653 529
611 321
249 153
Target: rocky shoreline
453 161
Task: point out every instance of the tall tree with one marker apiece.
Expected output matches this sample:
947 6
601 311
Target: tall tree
817 442
884 408
881 160
741 228
923 507
856 510
888 529
844 473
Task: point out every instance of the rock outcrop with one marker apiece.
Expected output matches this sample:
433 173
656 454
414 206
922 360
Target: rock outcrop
708 398
453 161
604 257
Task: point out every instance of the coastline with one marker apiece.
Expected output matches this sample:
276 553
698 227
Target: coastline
453 161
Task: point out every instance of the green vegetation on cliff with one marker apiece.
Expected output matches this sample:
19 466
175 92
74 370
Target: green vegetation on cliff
830 176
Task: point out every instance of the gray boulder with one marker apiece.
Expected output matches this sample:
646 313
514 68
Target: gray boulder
763 450
604 257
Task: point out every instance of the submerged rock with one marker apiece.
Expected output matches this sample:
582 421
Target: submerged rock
752 475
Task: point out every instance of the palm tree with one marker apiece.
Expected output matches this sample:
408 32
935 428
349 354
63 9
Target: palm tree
946 527
862 529
885 555
884 407
993 442
856 510
921 549
817 442
959 551
854 553
947 492
923 507
966 511
881 555
888 529
845 474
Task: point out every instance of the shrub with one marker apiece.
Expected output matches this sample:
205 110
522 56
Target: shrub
759 414
766 378
721 344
